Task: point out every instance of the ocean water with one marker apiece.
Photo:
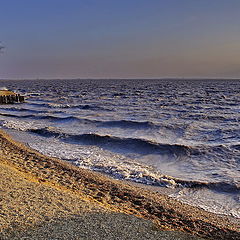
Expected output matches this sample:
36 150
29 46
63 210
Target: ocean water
177 134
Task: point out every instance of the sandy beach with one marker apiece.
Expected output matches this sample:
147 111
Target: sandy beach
46 198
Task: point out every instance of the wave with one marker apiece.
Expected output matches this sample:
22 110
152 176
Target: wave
80 106
15 109
213 118
93 107
98 123
126 170
17 116
32 116
38 104
236 147
72 106
3 88
127 144
48 117
128 124
216 186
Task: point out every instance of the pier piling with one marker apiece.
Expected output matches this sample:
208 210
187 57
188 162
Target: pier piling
9 97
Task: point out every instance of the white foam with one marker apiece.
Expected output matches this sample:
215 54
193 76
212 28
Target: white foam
58 105
21 125
94 158
210 201
97 159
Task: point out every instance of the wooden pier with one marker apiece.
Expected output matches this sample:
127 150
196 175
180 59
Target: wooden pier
9 97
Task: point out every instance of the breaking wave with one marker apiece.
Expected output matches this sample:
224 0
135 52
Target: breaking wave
71 106
117 123
127 169
128 124
134 144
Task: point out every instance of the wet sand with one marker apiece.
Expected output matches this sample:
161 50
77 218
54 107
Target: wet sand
46 198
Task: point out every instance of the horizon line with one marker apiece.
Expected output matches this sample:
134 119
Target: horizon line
123 78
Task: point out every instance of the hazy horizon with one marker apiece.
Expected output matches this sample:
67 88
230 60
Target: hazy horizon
113 79
106 39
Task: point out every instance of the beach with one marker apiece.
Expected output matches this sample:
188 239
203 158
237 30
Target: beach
120 120
41 194
174 135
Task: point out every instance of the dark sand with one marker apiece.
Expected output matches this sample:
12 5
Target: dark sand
46 198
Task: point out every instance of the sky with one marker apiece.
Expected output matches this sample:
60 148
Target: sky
119 39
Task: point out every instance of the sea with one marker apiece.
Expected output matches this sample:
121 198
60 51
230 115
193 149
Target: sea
177 134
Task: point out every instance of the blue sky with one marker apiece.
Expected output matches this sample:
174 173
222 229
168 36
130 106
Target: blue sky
119 39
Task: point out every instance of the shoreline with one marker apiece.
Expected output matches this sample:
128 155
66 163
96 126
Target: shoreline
115 195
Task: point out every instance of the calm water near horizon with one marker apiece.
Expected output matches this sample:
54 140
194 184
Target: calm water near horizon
180 134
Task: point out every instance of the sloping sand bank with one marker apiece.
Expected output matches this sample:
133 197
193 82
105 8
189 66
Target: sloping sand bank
46 198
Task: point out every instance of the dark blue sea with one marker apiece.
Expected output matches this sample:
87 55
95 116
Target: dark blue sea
183 135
